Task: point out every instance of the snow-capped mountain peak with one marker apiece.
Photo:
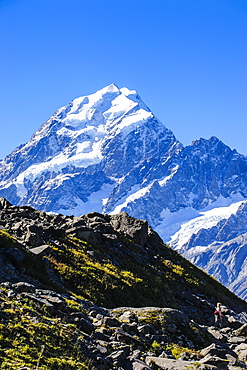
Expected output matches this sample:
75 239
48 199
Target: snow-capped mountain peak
93 130
107 152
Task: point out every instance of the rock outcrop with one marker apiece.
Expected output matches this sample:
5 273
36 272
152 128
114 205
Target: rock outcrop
130 338
105 292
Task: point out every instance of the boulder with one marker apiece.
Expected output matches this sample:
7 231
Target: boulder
102 349
243 355
146 329
219 362
42 250
6 285
23 286
136 364
86 326
95 255
57 302
216 350
128 316
233 361
53 232
135 229
130 328
242 331
240 347
123 337
33 239
232 322
99 335
217 334
110 321
236 340
17 226
170 364
119 357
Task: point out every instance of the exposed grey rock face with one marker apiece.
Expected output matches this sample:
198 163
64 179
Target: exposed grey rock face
108 153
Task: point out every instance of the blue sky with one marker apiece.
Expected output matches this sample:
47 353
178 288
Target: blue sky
186 58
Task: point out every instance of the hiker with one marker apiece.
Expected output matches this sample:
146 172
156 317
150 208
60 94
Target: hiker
218 316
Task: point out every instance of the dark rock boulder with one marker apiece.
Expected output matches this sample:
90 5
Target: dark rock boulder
110 321
119 357
138 230
146 329
54 232
86 326
34 235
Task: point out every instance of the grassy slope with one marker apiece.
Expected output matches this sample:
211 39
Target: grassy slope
122 273
132 276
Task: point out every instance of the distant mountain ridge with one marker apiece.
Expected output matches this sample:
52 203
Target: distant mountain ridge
107 152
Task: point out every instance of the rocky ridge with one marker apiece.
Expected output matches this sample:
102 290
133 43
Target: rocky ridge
137 305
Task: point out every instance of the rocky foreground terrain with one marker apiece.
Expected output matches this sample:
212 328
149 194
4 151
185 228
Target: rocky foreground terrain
104 292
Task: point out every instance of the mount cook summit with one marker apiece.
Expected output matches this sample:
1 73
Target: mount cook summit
107 152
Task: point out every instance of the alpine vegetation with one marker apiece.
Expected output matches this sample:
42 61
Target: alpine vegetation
104 292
